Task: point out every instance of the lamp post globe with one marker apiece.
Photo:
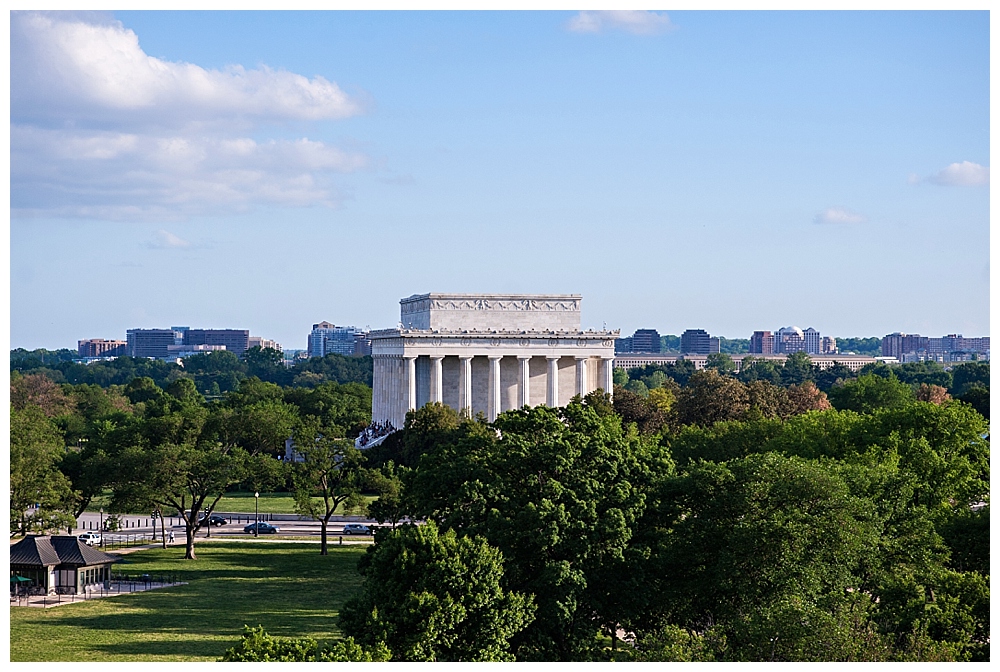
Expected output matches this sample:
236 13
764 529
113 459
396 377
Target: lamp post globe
102 526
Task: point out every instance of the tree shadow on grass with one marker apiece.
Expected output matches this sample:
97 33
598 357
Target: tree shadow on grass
290 592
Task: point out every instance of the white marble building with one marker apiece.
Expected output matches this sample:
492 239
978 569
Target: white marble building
487 353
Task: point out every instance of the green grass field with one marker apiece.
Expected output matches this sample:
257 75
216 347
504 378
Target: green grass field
238 502
290 589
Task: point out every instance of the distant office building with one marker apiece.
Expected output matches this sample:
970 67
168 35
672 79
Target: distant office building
149 342
900 344
99 347
235 340
624 345
258 342
714 345
762 343
697 342
326 338
646 340
811 338
789 340
827 345
915 348
362 344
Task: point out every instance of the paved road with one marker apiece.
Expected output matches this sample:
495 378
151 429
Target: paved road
298 528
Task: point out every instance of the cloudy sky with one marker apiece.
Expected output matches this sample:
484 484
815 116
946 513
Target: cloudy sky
730 171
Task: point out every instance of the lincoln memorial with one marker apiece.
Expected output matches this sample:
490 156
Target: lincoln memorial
487 353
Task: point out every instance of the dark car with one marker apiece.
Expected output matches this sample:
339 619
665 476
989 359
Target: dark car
214 520
357 528
262 528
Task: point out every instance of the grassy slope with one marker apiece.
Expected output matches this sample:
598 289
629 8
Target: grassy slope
290 589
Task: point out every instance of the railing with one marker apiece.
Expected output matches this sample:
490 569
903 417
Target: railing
120 583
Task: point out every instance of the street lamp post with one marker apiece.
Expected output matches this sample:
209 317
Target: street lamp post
102 526
256 498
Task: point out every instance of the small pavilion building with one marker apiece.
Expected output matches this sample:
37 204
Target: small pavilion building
60 564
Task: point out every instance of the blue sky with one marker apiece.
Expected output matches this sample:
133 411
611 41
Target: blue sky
730 171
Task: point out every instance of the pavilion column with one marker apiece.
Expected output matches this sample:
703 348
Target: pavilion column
552 391
465 385
411 382
607 374
523 380
437 384
581 376
493 396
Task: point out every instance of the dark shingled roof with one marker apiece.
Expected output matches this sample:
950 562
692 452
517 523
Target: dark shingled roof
48 551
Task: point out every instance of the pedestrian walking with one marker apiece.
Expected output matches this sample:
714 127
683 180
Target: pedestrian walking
171 536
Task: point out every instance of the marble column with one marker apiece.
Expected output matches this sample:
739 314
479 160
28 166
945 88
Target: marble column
524 381
552 390
411 382
493 396
437 383
581 376
378 413
465 384
607 374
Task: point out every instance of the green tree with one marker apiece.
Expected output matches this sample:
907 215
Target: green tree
325 468
965 376
754 545
558 491
648 414
388 482
870 392
709 398
258 646
436 596
754 368
264 363
797 369
347 406
721 362
978 397
40 495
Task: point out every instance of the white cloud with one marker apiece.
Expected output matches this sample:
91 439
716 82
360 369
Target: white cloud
165 240
838 216
965 174
631 21
66 66
101 129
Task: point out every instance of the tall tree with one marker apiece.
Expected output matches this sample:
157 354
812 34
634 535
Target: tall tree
558 492
327 472
709 398
187 478
40 496
436 596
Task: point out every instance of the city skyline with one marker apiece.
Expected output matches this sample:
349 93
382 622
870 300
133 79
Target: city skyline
730 171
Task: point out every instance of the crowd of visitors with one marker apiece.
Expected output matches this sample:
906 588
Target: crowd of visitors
374 431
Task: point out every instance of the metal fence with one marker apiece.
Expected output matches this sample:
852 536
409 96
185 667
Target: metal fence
121 583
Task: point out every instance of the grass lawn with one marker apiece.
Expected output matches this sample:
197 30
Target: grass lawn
290 589
240 502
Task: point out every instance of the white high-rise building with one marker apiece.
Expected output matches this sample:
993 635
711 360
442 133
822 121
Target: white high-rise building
326 338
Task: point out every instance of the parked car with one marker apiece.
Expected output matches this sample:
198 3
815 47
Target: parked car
90 538
214 519
357 528
262 528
